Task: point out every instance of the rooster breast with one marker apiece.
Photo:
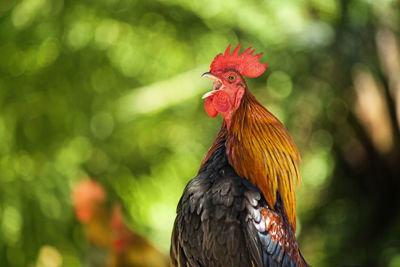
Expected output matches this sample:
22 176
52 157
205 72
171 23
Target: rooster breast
224 220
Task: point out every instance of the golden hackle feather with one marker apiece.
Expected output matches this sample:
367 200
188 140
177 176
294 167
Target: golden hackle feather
261 150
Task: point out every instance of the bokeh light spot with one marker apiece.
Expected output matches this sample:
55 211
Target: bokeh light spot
48 52
80 34
26 11
279 84
107 33
102 125
11 224
49 257
317 168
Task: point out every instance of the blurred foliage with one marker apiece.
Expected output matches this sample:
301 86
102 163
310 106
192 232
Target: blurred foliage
111 89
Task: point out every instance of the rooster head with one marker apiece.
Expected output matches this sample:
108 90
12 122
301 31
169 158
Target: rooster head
226 72
86 197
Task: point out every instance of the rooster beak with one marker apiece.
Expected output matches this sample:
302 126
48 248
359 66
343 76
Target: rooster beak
208 94
209 75
216 82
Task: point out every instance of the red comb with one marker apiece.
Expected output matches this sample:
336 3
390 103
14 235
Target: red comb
246 63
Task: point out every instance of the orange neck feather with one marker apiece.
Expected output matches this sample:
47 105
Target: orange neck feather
260 149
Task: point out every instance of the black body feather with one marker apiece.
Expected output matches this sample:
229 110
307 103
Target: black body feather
220 222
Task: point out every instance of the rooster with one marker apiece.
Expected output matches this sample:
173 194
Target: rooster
240 209
112 243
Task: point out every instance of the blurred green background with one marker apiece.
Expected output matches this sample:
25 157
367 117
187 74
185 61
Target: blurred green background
111 89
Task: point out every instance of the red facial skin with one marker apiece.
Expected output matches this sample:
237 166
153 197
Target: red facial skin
225 98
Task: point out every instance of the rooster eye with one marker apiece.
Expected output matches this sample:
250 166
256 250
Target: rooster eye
231 78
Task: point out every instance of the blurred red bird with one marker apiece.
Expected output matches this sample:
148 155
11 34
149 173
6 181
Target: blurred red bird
112 243
240 209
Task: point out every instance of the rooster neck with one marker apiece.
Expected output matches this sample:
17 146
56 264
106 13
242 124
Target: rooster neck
260 149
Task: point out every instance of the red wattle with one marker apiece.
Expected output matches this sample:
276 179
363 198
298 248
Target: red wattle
209 107
221 102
